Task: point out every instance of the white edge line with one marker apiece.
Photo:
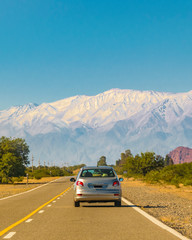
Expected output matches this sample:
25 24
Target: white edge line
155 221
29 190
9 235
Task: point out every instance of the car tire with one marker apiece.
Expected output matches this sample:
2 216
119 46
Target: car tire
77 204
117 203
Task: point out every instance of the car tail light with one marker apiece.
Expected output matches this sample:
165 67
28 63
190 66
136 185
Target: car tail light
116 194
79 183
116 183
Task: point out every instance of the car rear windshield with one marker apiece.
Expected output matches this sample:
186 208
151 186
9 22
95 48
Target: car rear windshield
97 173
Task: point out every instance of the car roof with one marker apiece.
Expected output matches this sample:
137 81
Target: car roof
95 167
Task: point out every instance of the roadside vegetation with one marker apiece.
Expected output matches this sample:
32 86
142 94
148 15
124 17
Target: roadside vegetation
14 166
14 163
13 159
174 175
45 171
154 168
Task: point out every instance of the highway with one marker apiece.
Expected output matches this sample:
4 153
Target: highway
47 213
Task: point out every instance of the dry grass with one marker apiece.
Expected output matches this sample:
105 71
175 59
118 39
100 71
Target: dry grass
182 191
169 219
176 221
12 189
75 172
39 181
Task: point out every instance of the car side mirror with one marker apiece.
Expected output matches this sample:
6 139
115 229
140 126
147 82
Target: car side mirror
72 179
120 179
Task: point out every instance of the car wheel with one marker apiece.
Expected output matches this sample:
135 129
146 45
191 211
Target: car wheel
77 204
117 203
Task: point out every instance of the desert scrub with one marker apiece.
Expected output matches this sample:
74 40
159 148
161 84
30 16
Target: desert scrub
174 174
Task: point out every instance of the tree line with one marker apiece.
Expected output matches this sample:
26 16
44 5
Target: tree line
14 153
152 168
46 171
14 163
141 164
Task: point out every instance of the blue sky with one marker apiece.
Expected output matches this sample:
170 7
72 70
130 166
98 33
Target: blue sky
53 49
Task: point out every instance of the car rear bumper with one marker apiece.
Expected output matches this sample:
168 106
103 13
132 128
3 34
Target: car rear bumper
97 197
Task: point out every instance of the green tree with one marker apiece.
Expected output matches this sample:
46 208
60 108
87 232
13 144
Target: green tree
124 157
13 158
147 162
168 160
130 165
102 161
117 163
159 162
128 153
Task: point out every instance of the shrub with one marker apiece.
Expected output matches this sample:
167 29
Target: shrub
38 176
4 180
153 176
173 174
187 182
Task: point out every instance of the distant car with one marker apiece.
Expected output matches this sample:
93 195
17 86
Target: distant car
97 184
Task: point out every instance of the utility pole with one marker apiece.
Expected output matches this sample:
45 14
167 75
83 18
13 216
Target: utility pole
44 164
39 163
32 159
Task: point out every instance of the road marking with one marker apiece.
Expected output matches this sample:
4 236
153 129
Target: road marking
54 201
58 198
10 235
29 190
29 220
30 214
49 205
41 211
155 221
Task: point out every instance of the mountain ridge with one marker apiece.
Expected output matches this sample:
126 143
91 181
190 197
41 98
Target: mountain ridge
117 119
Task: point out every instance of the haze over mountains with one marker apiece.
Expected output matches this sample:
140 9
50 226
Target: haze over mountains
80 129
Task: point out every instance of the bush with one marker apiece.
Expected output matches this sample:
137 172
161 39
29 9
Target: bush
38 176
153 177
187 182
173 174
4 180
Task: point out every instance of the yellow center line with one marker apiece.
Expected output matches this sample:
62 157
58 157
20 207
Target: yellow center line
30 214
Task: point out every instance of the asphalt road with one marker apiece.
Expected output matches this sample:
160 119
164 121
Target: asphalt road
60 220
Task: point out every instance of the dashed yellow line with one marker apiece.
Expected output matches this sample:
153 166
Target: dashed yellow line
31 214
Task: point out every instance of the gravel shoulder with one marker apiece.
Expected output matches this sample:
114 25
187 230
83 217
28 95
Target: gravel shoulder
171 205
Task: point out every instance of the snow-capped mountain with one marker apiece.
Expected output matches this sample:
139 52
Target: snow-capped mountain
82 128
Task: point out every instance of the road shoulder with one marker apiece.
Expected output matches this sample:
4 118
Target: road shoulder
167 206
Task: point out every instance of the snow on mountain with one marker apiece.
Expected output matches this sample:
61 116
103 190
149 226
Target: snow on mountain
82 128
94 111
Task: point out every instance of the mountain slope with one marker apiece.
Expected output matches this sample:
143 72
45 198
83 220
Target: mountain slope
181 155
82 128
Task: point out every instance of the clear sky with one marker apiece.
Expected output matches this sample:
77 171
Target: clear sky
53 49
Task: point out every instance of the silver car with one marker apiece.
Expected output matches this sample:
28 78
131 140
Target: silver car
97 184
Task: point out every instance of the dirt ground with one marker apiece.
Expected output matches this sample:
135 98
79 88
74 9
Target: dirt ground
182 191
12 189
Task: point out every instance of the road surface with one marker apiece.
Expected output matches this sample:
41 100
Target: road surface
47 213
